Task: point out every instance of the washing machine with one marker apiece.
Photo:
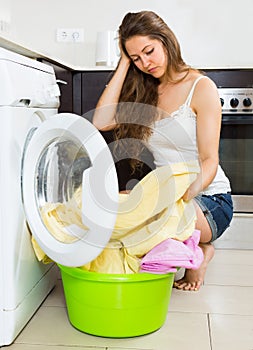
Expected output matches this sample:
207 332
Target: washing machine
28 96
45 158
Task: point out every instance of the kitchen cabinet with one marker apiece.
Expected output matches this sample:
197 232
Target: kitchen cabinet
87 88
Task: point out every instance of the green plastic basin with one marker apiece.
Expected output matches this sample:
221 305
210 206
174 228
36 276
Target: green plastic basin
116 306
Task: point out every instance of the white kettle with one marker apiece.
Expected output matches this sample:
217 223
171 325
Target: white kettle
107 48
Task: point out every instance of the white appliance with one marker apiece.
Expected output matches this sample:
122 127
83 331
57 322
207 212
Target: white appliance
28 96
44 158
107 48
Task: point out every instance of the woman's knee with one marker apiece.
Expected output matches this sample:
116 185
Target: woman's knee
203 225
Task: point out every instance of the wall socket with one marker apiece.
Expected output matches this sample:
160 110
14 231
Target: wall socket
4 26
74 35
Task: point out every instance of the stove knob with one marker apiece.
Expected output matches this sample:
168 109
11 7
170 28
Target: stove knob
234 102
247 102
222 101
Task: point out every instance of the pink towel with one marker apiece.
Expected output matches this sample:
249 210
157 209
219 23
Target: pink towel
170 254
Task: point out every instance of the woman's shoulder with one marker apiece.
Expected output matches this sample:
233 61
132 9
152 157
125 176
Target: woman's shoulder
204 91
201 78
201 86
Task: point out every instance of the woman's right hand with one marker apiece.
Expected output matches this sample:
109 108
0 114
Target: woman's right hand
125 59
123 56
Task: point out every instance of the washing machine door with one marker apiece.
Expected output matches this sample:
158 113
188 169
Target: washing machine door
69 189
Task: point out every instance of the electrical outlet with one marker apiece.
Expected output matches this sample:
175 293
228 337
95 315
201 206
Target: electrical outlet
74 35
4 26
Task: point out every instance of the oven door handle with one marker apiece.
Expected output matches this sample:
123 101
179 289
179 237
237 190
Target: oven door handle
237 119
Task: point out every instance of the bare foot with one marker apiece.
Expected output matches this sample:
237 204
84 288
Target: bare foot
193 279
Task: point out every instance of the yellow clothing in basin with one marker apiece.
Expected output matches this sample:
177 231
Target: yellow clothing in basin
152 212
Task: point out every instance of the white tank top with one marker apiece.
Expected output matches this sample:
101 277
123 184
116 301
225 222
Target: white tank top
174 140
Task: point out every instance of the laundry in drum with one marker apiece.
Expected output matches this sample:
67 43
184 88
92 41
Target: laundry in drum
151 213
64 219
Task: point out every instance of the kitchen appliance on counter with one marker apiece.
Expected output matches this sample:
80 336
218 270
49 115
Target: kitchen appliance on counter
235 89
44 158
107 49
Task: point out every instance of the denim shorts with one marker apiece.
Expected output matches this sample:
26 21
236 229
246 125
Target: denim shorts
218 210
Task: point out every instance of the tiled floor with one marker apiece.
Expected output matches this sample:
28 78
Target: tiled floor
218 317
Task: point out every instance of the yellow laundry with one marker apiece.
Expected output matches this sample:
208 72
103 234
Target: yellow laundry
113 259
152 212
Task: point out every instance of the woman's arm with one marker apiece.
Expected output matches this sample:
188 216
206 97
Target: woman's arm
104 116
206 104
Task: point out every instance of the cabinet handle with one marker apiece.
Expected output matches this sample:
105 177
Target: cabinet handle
58 81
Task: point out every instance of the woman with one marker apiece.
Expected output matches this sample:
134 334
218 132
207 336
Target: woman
183 124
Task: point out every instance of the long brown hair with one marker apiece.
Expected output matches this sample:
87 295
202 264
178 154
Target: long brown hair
140 90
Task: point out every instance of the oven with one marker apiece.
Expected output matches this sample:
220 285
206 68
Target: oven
236 144
235 87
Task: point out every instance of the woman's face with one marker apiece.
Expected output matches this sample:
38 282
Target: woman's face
148 55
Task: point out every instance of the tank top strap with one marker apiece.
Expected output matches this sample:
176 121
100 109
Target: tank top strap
189 98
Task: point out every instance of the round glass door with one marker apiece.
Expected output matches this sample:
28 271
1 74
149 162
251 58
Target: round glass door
68 182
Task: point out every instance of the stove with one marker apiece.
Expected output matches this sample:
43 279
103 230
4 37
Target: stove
236 144
236 100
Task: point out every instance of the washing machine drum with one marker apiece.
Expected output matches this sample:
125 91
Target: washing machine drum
70 189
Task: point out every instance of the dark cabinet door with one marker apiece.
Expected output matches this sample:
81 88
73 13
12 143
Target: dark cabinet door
87 88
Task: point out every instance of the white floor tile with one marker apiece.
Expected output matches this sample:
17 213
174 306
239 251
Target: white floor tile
175 334
56 297
51 326
233 267
214 299
231 332
238 235
120 348
230 275
236 257
50 347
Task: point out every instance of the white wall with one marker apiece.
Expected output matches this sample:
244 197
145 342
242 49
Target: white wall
212 33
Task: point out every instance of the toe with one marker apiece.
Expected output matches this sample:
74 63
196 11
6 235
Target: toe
193 286
182 285
188 286
176 284
198 285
